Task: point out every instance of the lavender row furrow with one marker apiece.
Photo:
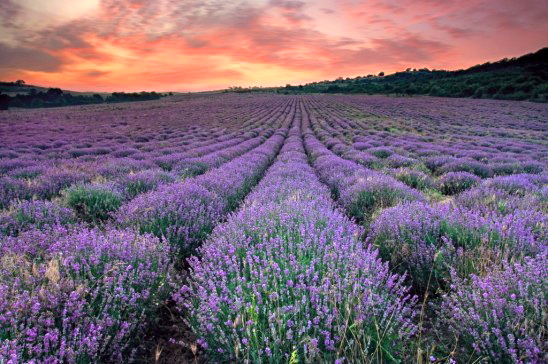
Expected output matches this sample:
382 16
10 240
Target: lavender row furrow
286 278
359 190
45 178
322 228
475 256
436 239
95 203
104 284
477 154
185 213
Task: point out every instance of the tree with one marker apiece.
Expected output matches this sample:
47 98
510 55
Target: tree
381 74
54 91
4 101
19 82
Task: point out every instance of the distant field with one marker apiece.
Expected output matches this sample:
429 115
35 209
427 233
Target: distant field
267 228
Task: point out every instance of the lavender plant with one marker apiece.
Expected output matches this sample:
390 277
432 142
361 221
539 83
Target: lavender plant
500 318
518 184
12 189
429 241
54 181
183 213
484 199
135 184
83 296
28 215
414 179
380 152
470 166
94 203
453 183
365 194
287 279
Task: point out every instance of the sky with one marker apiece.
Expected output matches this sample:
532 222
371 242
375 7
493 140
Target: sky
190 45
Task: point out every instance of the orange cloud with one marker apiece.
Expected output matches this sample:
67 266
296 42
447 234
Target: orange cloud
199 45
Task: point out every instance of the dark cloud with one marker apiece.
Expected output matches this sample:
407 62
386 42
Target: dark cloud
411 48
28 59
9 9
457 32
194 42
96 73
9 12
288 4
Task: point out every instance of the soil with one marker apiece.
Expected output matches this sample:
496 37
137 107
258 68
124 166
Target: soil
169 340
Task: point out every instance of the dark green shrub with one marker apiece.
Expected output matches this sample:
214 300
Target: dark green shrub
93 203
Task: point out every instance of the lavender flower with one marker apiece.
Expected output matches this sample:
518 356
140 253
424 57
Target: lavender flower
12 189
288 269
84 296
430 241
500 317
28 215
455 182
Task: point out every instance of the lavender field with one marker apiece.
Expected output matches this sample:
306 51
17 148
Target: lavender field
265 228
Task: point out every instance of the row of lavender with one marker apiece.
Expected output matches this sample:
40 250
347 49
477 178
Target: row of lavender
478 258
77 294
289 277
101 187
286 279
450 159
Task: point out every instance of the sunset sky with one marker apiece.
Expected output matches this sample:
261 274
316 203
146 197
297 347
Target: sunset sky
189 45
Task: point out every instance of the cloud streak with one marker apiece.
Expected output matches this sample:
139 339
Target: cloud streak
197 45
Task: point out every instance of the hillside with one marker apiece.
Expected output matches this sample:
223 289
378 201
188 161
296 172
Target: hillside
20 95
14 88
522 78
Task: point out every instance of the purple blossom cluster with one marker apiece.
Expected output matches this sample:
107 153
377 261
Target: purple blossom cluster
29 215
486 199
453 183
429 241
185 213
13 189
501 317
286 278
73 296
311 219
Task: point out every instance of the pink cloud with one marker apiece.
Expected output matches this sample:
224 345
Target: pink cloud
137 44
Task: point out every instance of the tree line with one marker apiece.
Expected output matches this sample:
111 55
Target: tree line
523 78
55 97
